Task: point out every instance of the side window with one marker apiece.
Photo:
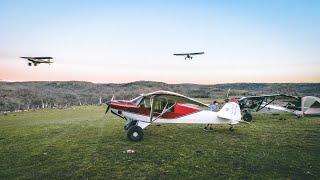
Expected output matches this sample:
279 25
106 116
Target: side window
171 103
160 104
157 105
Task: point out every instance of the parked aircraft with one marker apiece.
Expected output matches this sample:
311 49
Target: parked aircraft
169 107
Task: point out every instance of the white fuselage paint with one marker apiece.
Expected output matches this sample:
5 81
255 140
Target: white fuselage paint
309 111
201 117
229 114
312 111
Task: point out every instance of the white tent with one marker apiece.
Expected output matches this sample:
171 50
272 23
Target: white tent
310 105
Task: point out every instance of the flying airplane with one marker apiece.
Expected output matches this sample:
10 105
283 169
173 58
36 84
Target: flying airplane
169 107
188 55
38 60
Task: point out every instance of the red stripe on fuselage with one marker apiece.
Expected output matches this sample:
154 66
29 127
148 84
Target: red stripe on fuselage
179 110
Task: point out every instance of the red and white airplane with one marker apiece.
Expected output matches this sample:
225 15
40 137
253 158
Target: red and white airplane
169 107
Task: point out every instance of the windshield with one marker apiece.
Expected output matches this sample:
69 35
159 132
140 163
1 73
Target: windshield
137 100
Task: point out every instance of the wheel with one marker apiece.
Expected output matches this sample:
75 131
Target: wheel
247 117
29 64
231 128
135 133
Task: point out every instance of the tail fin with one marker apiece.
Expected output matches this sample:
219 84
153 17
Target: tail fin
231 111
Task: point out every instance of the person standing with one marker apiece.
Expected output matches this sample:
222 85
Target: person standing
213 107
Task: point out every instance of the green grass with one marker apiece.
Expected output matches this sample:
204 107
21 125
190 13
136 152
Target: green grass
82 143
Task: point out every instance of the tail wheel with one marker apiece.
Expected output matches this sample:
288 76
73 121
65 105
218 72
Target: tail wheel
135 133
247 117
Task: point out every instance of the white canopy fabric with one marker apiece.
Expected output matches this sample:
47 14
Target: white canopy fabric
310 105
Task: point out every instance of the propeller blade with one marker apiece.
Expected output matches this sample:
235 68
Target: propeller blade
109 104
108 107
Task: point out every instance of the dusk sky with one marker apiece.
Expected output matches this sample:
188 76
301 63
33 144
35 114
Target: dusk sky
123 41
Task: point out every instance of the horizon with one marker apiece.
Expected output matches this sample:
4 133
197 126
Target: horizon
161 82
123 41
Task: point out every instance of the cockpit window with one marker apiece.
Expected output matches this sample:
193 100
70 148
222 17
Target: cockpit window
160 104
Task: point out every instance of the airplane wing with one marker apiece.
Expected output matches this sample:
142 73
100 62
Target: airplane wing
183 100
42 58
257 103
197 53
278 108
36 57
29 59
26 57
178 98
185 54
181 54
39 59
273 95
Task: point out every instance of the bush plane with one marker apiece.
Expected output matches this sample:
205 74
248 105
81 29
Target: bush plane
38 60
188 55
169 107
300 106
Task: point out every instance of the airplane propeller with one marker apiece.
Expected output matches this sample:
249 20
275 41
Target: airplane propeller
109 105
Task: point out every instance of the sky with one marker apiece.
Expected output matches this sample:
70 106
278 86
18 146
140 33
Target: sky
123 41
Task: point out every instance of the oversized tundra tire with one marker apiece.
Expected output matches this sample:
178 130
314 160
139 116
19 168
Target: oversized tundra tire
247 117
135 133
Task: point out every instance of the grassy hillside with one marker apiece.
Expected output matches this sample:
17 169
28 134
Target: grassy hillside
30 95
82 143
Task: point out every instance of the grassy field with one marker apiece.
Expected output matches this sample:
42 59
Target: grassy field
82 143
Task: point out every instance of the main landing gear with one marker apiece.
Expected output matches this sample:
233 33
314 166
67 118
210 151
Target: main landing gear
247 116
135 133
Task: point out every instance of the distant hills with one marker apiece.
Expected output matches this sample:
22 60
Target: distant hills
41 94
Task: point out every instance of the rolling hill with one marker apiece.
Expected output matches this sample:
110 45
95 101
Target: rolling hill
42 94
